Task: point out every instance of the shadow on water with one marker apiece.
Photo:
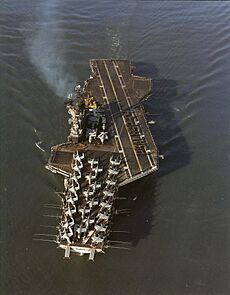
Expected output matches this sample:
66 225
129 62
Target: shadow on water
139 199
166 131
141 196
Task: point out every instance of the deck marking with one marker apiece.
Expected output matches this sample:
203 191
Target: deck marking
127 99
118 136
111 82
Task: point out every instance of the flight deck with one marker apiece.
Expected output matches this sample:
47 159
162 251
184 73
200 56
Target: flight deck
109 146
113 85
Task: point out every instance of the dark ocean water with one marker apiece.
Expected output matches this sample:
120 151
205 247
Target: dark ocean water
180 223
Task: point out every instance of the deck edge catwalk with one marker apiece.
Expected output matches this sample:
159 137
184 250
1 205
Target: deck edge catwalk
109 146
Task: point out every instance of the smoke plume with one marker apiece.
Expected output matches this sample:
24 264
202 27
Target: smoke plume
46 49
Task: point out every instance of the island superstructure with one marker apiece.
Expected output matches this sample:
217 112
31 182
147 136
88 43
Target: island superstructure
109 146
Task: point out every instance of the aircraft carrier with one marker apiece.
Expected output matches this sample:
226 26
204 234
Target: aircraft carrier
109 145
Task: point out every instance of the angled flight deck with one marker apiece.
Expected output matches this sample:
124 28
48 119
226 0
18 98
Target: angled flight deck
122 93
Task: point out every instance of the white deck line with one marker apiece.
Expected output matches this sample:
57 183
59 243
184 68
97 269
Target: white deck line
118 136
138 176
111 82
155 163
127 98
